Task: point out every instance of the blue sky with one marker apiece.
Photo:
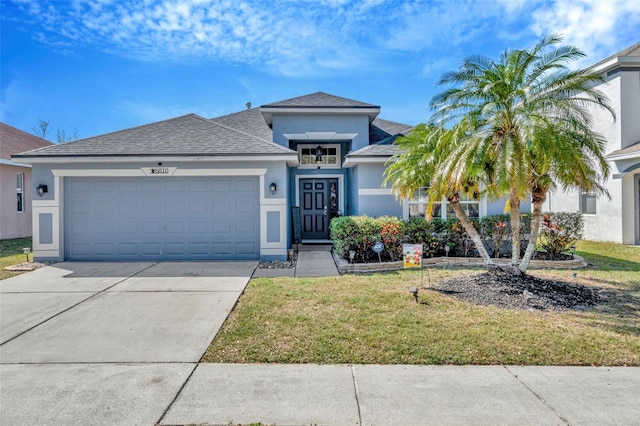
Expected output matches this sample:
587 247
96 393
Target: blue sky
92 67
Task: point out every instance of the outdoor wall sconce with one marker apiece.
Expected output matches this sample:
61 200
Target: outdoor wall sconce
41 190
273 188
319 153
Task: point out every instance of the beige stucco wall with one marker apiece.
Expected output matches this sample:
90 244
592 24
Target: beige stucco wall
14 224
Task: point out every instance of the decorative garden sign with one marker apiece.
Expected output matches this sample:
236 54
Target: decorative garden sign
378 247
412 255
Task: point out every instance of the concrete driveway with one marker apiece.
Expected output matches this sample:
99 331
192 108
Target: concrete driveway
91 342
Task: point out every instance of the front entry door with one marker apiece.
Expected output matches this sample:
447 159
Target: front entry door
318 203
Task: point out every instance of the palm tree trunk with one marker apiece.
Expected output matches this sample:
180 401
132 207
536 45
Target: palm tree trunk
514 204
538 197
470 229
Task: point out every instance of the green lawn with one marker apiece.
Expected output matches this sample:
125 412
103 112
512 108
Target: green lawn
11 253
373 319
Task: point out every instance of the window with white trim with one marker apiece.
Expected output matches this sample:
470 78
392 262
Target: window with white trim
418 205
20 191
309 158
588 202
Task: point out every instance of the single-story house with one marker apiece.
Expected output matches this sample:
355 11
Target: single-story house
616 219
242 186
15 182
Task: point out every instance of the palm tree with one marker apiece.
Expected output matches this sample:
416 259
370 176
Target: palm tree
525 118
422 162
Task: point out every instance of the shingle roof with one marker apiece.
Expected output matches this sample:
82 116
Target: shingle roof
633 50
382 134
250 121
319 100
381 129
631 149
189 135
14 141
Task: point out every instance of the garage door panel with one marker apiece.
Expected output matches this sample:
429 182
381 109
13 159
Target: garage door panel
162 218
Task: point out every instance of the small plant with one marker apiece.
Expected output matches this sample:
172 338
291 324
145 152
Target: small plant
392 234
496 229
558 231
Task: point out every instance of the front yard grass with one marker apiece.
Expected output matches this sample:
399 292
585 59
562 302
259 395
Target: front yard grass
372 319
11 254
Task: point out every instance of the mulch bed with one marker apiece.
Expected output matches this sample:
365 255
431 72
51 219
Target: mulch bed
503 288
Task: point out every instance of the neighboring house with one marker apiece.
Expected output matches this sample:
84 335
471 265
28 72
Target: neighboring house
222 188
15 182
617 219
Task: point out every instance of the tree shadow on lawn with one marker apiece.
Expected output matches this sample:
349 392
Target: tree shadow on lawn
605 263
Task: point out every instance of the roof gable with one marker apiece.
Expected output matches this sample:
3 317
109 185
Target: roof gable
319 103
188 135
629 54
14 141
319 100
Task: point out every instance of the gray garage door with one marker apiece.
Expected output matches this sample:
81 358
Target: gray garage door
162 218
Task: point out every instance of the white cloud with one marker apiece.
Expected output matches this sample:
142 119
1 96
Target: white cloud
318 38
595 26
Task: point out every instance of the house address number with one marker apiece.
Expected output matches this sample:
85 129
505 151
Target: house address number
159 171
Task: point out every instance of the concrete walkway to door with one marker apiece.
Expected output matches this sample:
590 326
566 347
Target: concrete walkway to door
316 261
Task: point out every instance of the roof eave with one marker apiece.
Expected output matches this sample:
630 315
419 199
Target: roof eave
291 159
352 161
615 63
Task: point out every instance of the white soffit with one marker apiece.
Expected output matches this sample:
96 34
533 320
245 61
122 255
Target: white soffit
319 136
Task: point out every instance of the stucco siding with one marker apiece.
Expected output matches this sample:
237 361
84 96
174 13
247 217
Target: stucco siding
374 199
14 224
630 108
297 124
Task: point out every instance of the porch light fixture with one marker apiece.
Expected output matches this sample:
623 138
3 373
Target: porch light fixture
41 190
273 188
319 152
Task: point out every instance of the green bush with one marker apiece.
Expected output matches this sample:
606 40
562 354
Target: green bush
392 236
344 233
360 233
558 232
418 230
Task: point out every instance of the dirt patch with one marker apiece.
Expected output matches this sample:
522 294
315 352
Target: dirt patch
502 288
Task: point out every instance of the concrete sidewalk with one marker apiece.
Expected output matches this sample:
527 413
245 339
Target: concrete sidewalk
407 395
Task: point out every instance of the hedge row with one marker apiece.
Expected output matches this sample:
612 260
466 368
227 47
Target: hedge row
360 233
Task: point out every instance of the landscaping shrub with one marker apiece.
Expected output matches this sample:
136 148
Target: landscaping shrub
558 231
344 233
495 229
392 235
420 231
360 233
